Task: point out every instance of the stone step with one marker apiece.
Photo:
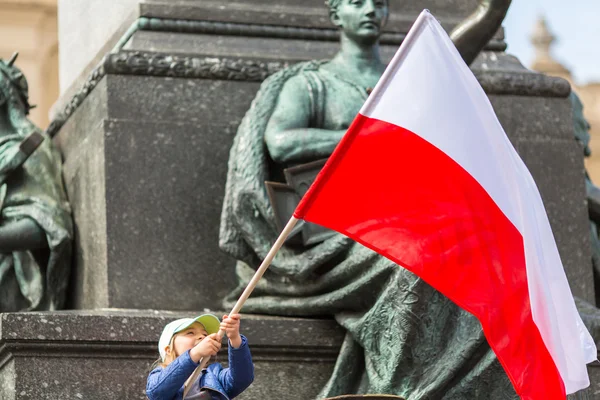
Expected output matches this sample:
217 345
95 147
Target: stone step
107 354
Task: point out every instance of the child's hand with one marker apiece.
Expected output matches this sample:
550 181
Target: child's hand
209 346
231 326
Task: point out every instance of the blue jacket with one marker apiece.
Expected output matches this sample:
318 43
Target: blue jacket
223 383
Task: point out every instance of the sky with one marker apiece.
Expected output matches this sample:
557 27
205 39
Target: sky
575 24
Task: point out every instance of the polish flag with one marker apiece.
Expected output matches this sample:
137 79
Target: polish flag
427 177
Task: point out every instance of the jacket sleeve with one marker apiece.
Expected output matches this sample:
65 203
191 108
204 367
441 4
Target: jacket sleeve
240 373
164 383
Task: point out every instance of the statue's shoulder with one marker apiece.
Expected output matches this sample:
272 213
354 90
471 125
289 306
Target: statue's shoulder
293 78
272 89
311 71
307 66
313 65
294 72
299 78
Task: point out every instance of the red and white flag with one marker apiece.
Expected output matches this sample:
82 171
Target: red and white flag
427 177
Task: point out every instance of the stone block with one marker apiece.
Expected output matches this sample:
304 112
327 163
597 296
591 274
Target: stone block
106 355
145 168
288 50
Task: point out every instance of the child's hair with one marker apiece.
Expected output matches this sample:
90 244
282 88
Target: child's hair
169 358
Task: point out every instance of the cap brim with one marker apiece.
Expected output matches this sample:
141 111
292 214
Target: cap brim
210 322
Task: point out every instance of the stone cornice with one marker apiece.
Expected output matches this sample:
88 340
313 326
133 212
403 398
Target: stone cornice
156 64
147 350
133 334
522 84
197 67
270 31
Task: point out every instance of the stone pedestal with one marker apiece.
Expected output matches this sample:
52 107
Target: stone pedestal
146 137
145 166
106 355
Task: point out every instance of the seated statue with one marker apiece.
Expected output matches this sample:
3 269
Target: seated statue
35 222
582 136
403 337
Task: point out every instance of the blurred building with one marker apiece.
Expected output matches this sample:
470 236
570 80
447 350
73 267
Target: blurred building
542 40
30 27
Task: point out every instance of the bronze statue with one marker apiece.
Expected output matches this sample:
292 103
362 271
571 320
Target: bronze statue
35 222
582 136
403 337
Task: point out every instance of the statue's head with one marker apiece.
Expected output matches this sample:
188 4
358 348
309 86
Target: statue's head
580 124
361 20
13 86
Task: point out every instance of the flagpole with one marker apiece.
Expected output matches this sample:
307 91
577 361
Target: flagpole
244 296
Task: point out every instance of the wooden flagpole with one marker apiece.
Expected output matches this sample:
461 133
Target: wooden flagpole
244 296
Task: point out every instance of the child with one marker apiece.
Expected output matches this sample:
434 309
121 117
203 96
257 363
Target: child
181 346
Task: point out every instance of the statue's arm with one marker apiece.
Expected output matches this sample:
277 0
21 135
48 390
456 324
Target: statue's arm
13 154
472 34
24 234
288 136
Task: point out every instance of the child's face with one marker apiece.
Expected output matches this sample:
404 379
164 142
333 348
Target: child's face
187 339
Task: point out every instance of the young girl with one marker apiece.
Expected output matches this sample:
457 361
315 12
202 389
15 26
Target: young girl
181 346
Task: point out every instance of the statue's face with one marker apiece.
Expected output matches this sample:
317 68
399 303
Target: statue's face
361 20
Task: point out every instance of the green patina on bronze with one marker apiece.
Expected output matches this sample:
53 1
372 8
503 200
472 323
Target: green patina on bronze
403 337
582 135
589 313
35 221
